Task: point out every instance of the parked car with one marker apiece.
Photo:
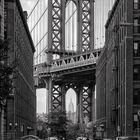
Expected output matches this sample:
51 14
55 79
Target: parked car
52 138
81 138
128 138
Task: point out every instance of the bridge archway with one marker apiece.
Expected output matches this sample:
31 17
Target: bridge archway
71 104
70 95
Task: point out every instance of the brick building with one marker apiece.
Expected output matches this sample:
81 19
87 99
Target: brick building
118 71
21 104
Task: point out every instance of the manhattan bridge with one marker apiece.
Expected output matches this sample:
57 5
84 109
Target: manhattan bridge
65 53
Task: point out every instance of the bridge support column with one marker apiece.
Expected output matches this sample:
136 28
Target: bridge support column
57 97
86 103
63 98
48 82
79 104
93 104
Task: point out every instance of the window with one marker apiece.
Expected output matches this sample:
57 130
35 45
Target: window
136 97
136 73
136 22
136 49
136 4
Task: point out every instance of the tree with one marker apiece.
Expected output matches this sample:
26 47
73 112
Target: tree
72 131
57 122
41 128
6 72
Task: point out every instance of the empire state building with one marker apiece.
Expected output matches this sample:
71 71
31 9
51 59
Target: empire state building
71 113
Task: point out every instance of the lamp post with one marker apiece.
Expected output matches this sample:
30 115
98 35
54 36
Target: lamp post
49 130
118 130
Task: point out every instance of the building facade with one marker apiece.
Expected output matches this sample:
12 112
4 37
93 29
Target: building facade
121 86
21 104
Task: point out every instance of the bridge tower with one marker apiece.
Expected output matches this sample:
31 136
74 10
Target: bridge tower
57 85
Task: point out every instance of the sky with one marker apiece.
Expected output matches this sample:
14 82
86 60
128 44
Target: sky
28 5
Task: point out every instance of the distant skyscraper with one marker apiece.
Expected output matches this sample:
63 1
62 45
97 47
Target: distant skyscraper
71 106
71 113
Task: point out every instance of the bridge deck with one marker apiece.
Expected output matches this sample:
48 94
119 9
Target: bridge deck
65 64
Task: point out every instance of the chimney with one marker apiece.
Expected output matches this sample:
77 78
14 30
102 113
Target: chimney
25 15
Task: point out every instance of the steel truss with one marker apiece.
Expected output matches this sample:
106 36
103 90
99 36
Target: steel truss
86 22
86 101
